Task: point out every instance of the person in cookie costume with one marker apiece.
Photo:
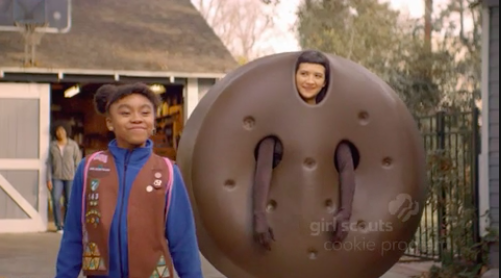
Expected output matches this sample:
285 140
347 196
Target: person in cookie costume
314 165
129 214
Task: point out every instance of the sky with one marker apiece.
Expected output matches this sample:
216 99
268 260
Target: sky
285 39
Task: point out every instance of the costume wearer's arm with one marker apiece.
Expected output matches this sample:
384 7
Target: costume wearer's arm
69 259
262 178
347 177
181 232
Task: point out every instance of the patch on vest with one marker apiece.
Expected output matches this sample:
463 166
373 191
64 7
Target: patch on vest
101 157
162 270
93 197
92 258
100 171
93 217
94 184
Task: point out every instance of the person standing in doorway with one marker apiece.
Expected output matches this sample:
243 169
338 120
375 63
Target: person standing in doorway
64 157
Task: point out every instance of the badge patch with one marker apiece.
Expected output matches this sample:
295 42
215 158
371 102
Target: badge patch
93 217
99 171
157 183
101 157
93 196
99 168
162 270
94 184
92 258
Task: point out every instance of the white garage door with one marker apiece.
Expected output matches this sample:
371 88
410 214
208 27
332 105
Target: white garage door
24 140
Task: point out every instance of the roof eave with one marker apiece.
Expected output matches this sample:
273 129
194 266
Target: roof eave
71 75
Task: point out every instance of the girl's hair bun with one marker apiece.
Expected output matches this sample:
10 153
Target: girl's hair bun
102 97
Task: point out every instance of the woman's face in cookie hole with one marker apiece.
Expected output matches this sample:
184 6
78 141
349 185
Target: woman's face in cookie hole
310 80
312 76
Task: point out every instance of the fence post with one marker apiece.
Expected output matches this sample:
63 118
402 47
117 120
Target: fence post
442 197
475 152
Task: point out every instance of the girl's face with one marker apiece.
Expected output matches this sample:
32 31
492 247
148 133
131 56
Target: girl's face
132 120
310 79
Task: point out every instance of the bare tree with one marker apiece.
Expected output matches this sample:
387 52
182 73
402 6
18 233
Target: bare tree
240 24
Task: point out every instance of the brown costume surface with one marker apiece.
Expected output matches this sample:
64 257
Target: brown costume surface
268 156
147 246
216 156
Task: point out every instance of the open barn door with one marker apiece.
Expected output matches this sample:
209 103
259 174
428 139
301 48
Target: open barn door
24 141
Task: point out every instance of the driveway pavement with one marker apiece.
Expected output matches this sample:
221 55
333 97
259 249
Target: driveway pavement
33 256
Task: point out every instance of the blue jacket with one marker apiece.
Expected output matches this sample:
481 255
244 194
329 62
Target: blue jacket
179 229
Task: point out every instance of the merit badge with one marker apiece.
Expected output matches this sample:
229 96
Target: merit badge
157 184
93 217
94 196
99 171
92 259
94 184
101 157
99 168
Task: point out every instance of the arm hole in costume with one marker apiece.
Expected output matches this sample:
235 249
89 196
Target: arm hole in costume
84 186
277 149
168 188
340 160
347 159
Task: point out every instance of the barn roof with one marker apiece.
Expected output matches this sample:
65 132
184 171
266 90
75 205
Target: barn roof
127 35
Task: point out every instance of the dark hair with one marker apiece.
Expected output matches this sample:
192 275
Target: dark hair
57 125
108 94
316 57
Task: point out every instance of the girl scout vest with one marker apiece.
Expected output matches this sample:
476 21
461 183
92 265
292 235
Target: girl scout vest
146 216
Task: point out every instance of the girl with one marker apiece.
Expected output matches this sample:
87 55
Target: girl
129 214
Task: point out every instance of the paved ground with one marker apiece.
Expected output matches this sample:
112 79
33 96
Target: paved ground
493 273
33 256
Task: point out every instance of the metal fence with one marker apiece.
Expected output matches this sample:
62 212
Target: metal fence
450 223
